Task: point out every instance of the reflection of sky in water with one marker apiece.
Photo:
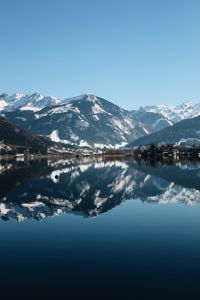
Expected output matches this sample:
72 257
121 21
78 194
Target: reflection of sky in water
134 245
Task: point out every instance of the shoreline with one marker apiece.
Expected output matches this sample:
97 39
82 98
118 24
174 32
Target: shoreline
49 156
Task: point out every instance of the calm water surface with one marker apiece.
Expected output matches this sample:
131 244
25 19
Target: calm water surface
97 229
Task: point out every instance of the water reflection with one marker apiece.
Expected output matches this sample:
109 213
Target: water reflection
40 189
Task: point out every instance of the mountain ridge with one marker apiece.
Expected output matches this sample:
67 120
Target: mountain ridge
175 113
185 132
90 120
85 120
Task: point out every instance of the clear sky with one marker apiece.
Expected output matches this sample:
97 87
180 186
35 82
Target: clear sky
131 52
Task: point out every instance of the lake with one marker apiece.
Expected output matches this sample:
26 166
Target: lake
93 229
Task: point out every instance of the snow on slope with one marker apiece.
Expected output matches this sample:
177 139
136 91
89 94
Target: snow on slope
86 120
34 102
175 113
37 101
90 120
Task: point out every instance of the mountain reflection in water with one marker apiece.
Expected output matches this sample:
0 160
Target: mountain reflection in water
40 189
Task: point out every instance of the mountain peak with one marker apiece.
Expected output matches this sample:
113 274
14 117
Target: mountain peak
91 97
14 97
175 113
82 97
36 95
3 96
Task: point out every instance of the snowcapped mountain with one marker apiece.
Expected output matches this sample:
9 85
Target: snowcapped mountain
186 132
170 124
34 102
151 121
174 113
86 120
89 120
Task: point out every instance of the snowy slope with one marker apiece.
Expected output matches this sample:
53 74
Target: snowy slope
186 132
174 113
86 120
33 102
89 120
152 121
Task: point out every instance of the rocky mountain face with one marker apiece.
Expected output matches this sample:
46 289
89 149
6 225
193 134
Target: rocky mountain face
32 102
158 117
152 121
41 189
175 113
186 132
91 121
86 120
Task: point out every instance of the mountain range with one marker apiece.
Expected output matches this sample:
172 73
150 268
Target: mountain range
91 121
184 133
86 120
175 113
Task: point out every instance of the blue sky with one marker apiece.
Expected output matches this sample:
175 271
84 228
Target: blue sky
131 52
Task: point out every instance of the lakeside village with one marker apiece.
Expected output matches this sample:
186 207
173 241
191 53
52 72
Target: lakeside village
152 151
